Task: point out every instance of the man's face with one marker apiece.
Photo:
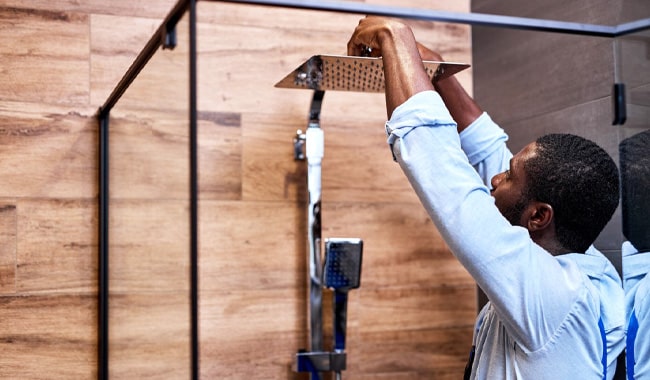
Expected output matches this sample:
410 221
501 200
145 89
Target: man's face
508 188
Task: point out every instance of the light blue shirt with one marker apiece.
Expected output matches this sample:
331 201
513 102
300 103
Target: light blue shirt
542 318
636 266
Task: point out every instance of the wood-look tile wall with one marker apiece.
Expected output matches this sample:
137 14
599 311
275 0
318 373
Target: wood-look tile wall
412 317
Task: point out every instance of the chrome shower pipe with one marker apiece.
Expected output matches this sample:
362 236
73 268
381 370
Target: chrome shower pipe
314 151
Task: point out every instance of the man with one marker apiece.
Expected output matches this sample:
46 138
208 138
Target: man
554 312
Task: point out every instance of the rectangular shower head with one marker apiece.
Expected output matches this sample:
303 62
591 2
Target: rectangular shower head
349 73
342 268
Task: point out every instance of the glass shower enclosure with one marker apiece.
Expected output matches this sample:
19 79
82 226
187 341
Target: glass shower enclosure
175 156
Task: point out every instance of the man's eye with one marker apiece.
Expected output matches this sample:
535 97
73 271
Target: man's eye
508 174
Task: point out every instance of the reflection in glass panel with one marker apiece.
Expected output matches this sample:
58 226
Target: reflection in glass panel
633 64
149 324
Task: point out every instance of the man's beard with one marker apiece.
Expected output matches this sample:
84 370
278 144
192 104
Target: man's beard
513 214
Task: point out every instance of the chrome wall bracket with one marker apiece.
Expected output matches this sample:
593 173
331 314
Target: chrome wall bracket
299 145
320 362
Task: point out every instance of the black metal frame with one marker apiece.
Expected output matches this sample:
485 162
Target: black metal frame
479 19
165 37
194 199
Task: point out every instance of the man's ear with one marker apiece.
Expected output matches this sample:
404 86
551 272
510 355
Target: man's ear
540 216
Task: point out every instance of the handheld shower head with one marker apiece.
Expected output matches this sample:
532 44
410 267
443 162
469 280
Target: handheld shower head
342 272
343 264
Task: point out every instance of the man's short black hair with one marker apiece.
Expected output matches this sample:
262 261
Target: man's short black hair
635 189
580 181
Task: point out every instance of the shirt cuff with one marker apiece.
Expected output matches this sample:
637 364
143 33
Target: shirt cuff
424 109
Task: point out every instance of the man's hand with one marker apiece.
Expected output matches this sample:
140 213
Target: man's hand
392 40
374 32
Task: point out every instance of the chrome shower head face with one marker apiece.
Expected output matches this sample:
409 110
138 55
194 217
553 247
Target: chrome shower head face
343 259
357 74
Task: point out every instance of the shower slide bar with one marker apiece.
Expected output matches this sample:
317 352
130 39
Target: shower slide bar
314 151
342 268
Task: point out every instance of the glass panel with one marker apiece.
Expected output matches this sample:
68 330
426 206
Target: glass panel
632 10
599 12
149 320
633 69
253 207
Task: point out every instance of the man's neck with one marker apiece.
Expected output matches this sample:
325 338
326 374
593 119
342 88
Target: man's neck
552 246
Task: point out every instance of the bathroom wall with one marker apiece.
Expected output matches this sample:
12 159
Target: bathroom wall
410 319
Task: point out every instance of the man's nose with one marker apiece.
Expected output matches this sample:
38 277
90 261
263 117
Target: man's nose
496 180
